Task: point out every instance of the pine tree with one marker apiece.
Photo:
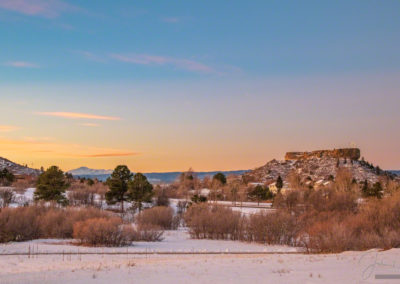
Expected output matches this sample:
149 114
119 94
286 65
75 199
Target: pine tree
51 186
118 184
260 193
6 177
220 177
376 190
279 183
140 190
365 189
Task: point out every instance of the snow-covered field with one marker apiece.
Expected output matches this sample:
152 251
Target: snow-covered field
209 261
286 267
349 267
174 241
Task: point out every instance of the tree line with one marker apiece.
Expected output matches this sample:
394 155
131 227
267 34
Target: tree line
124 186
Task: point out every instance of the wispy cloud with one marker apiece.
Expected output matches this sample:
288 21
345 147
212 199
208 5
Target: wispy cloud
75 115
43 8
104 155
90 55
8 128
171 20
146 59
38 139
90 124
21 64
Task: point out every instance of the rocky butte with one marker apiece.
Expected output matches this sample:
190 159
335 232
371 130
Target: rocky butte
317 166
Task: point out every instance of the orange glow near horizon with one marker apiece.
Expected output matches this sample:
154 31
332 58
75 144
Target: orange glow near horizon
74 115
190 126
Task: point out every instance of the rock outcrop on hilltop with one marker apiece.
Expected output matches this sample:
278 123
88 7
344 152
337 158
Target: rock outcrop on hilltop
346 153
316 166
17 169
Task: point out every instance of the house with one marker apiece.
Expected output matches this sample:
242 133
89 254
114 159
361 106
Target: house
256 183
201 192
274 189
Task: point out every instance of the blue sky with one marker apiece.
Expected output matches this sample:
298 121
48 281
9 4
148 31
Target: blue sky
231 38
324 72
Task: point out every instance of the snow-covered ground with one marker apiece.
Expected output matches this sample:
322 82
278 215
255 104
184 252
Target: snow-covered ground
20 199
246 208
174 241
348 267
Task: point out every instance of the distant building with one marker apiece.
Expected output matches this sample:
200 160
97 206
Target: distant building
201 192
274 189
256 183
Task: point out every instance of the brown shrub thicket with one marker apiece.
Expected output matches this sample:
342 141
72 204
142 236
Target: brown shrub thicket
33 222
23 183
104 232
324 221
81 193
278 227
159 216
335 223
85 196
214 222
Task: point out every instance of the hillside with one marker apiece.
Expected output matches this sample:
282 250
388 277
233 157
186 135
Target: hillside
17 169
318 165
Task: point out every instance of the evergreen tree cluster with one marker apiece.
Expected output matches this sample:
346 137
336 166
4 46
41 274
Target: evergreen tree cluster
260 193
51 186
124 186
6 177
375 190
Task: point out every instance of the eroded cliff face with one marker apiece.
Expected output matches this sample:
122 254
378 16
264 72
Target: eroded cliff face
346 153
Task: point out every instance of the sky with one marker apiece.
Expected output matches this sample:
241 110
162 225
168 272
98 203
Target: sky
212 85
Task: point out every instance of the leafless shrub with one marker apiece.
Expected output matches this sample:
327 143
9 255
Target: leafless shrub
103 232
214 222
344 180
148 233
376 224
160 216
23 183
272 228
32 222
6 197
19 224
182 206
84 196
332 200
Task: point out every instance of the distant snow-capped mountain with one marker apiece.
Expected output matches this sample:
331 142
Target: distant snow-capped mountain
85 171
